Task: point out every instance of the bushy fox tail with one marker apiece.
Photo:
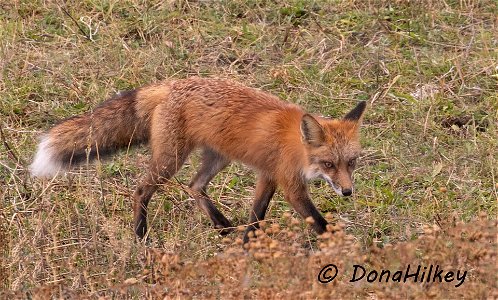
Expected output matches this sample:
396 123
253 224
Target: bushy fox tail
117 123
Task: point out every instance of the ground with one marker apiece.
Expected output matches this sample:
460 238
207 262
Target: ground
428 69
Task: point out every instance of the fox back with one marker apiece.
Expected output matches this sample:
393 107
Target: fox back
228 121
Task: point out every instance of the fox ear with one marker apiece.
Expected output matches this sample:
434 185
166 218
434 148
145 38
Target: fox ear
356 114
311 131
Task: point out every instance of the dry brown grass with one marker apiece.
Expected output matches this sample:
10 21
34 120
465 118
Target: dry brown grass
428 69
278 263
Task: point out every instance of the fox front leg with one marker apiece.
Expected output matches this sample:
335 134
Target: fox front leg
265 188
297 195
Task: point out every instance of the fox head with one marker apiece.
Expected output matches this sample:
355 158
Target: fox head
332 147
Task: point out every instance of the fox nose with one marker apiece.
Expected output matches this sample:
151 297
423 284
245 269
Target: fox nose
347 192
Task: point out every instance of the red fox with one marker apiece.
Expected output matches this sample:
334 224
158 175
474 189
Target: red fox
228 121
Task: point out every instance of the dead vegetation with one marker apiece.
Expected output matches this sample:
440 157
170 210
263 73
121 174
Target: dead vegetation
425 181
281 263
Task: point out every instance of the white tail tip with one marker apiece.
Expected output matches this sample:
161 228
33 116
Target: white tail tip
44 164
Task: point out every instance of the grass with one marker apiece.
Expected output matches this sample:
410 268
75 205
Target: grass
428 70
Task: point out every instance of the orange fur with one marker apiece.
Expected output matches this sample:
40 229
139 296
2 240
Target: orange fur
230 122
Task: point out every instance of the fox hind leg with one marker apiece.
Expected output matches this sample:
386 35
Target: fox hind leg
212 164
168 155
158 175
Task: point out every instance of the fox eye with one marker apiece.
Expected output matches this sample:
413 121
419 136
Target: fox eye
352 162
328 164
